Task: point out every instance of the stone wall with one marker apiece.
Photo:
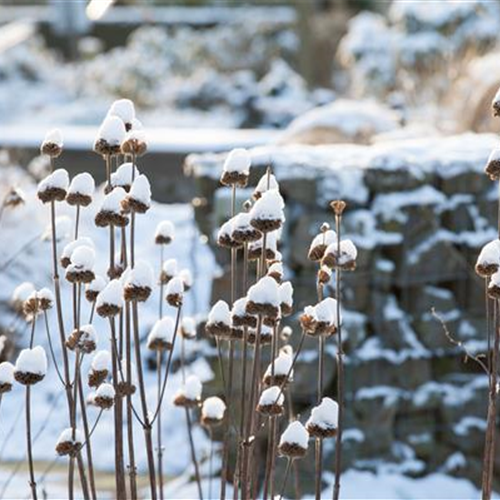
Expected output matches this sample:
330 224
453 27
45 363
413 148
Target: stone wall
419 211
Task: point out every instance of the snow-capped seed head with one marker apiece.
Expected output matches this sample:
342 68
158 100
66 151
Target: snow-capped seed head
286 298
187 278
161 337
188 328
123 109
189 394
124 176
125 388
110 212
45 299
100 366
109 301
169 270
308 320
293 442
110 136
286 333
93 288
263 298
84 339
266 335
494 286
275 270
488 261
21 294
174 291
52 144
219 320
345 259
80 190
6 377
104 397
69 442
338 207
135 143
31 306
242 229
138 199
239 315
267 182
70 248
326 317
324 419
236 168
495 104
212 411
54 186
139 282
492 168
324 275
277 371
31 366
225 236
81 267
267 213
271 253
271 401
14 198
165 232
320 243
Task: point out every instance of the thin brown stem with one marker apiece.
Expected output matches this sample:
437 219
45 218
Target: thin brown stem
159 362
29 444
285 479
193 454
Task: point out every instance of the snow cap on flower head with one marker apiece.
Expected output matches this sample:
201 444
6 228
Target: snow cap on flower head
320 243
188 328
281 367
99 368
54 186
80 190
174 291
6 377
212 411
124 176
45 298
111 212
110 136
344 259
93 288
225 237
71 246
14 197
266 183
168 271
239 314
324 419
104 397
488 261
293 442
31 366
138 199
69 442
187 278
109 301
81 267
189 394
165 232
495 104
123 109
271 401
263 298
135 143
162 334
236 168
242 229
52 144
219 320
138 282
267 213
285 291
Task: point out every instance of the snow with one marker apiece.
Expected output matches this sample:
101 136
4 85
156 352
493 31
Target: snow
496 103
22 292
83 258
239 307
123 175
175 286
141 190
96 285
226 229
123 109
265 181
101 361
170 267
141 275
163 329
53 136
112 201
241 222
112 131
295 433
238 160
32 361
271 243
282 365
105 390
276 268
285 291
220 313
57 179
272 395
326 311
68 249
265 291
268 207
348 251
166 229
326 414
6 373
213 407
187 278
490 254
494 280
191 389
326 238
67 436
111 294
82 183
188 327
89 333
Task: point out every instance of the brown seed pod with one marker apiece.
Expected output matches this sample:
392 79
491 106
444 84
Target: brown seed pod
239 179
27 378
51 149
51 194
247 235
158 344
80 199
130 204
139 293
270 410
77 276
320 432
124 388
105 218
265 309
218 329
486 270
5 387
104 402
266 225
104 148
183 401
292 450
67 448
134 146
174 299
97 377
108 310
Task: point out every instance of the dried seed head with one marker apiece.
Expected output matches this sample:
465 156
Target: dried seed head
52 145
14 198
338 207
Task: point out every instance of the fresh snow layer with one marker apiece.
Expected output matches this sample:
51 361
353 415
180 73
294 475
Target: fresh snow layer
123 175
112 201
188 325
123 109
57 179
213 407
191 389
265 291
490 253
67 436
23 291
326 238
83 258
141 275
32 361
70 247
45 294
96 285
239 161
111 294
295 433
282 365
166 229
141 190
175 286
326 414
6 373
326 311
163 329
82 184
267 182
101 361
170 267
269 206
187 278
105 390
272 395
112 131
285 291
220 313
54 136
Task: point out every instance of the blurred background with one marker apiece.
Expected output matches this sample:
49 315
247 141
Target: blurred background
386 104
